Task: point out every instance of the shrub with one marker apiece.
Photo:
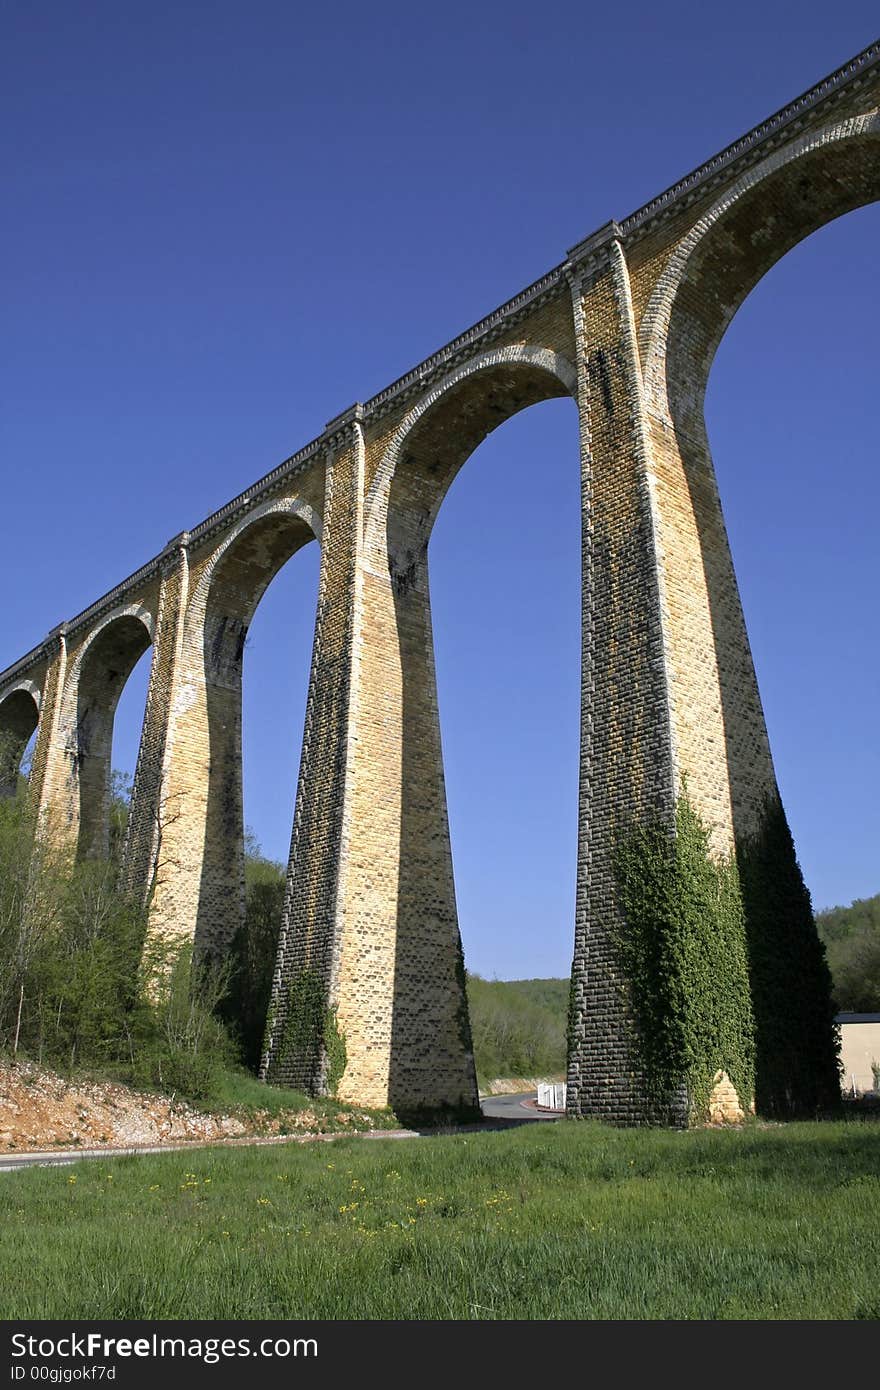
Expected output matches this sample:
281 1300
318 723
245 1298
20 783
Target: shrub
181 1044
77 988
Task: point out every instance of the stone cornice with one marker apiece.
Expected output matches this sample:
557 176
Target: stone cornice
591 254
263 488
341 429
37 656
488 328
24 664
754 144
114 595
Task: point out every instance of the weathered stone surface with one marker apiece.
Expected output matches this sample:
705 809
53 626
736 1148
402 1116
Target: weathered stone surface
724 1103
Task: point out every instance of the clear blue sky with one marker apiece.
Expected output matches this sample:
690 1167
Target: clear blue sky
225 222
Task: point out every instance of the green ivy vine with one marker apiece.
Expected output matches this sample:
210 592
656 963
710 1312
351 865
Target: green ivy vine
684 956
312 1042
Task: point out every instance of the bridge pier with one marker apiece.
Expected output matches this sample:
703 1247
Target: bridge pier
370 961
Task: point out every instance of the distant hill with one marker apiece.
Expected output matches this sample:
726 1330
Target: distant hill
835 923
852 941
518 1026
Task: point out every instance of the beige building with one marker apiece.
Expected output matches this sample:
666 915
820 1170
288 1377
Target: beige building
859 1049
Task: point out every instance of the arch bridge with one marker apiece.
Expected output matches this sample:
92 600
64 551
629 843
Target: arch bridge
626 326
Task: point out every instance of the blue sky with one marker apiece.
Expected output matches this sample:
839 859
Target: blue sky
225 223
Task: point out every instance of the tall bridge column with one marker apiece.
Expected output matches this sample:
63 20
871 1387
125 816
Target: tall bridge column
52 673
183 857
694 935
369 992
48 771
145 866
402 979
627 754
304 992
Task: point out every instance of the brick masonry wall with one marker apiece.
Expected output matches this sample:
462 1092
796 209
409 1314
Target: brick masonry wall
49 676
310 933
627 760
147 814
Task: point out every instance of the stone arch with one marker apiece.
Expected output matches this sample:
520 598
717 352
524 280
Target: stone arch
448 424
793 192
93 686
19 716
292 508
722 742
224 601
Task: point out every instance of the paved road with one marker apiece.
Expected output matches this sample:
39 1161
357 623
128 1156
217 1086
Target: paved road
10 1163
511 1108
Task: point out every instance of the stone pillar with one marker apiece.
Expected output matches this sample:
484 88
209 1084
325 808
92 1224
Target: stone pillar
723 751
402 983
163 852
627 755
187 818
51 677
384 935
148 815
722 748
304 995
50 771
676 774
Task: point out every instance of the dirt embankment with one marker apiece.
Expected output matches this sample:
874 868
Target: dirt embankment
39 1110
515 1085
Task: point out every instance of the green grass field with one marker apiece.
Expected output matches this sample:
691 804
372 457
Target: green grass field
573 1220
238 1092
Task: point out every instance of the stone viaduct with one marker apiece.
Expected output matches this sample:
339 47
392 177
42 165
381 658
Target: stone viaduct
627 326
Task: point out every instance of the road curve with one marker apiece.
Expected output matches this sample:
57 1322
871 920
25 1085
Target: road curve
515 1108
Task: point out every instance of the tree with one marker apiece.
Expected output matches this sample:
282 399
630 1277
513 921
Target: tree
852 939
253 952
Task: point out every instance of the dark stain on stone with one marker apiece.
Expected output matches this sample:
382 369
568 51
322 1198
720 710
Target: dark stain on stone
599 373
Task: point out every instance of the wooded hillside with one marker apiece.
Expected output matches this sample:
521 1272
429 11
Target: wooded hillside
852 940
518 1026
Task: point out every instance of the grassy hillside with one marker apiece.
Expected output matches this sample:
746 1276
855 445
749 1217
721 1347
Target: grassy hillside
852 940
518 1026
568 1220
